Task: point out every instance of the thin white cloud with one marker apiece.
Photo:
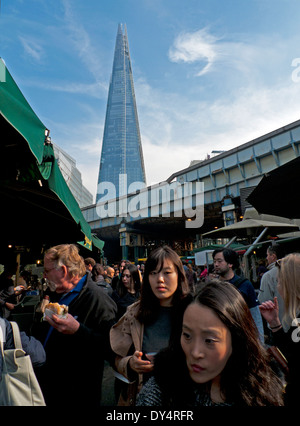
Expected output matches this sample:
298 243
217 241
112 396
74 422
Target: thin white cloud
32 48
247 57
96 90
81 41
195 47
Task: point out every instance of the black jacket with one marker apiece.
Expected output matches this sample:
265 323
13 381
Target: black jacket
74 367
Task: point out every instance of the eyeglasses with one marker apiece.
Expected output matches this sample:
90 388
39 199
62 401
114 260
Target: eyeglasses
278 263
126 275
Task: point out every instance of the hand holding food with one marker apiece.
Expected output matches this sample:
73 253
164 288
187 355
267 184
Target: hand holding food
62 321
55 308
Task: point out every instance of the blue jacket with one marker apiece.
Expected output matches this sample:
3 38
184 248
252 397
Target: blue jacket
248 292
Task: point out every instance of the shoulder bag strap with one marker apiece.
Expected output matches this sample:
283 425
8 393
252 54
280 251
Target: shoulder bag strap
2 334
17 337
2 330
1 340
239 281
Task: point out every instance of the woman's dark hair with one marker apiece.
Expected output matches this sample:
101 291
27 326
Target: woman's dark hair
96 271
247 379
149 304
135 277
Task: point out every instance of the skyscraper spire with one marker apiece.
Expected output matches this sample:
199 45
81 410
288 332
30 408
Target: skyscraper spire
121 160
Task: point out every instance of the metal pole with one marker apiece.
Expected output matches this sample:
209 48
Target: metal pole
247 272
256 241
230 242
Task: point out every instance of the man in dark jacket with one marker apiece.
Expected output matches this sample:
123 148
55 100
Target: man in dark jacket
77 345
226 261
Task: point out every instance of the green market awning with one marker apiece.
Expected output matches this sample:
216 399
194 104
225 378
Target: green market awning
37 203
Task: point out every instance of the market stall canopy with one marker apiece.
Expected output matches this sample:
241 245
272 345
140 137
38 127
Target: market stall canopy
212 247
275 193
251 228
37 204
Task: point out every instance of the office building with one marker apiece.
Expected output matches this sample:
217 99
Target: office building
72 176
121 162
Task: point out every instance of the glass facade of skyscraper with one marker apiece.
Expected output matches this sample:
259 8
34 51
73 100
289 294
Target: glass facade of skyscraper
121 148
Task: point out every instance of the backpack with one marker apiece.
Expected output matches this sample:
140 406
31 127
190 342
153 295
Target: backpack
239 282
18 384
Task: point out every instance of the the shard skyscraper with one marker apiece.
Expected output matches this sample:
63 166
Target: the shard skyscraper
121 160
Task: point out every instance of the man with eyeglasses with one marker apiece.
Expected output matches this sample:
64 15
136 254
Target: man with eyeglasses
76 346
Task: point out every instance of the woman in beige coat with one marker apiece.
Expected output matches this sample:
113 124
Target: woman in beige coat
146 326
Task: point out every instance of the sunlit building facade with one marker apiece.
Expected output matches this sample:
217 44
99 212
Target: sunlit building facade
72 176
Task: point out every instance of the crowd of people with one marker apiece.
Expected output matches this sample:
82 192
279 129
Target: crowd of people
172 335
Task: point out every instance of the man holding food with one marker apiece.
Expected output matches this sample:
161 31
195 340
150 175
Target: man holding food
75 332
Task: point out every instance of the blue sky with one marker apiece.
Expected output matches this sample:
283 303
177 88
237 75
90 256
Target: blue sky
208 74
